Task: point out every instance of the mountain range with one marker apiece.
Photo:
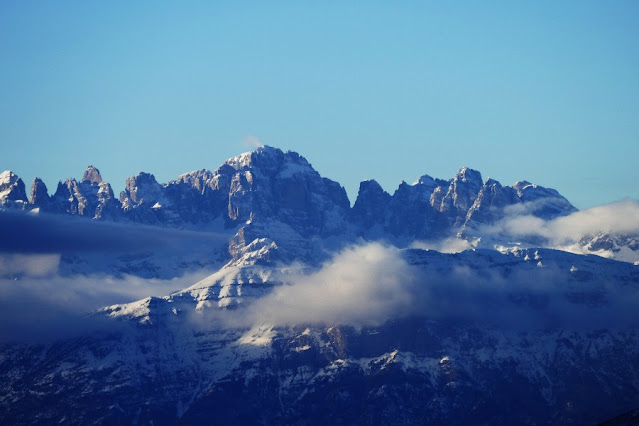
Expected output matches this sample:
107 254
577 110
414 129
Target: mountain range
421 306
278 195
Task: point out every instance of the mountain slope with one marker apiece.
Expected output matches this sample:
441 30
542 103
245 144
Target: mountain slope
180 359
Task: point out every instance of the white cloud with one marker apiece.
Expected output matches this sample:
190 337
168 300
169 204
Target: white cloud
361 285
49 307
252 142
30 265
371 284
446 245
616 218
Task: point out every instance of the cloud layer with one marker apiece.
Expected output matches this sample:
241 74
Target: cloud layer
363 285
41 306
617 218
370 284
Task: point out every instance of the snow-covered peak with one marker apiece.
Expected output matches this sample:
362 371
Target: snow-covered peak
8 177
466 174
247 159
11 187
269 161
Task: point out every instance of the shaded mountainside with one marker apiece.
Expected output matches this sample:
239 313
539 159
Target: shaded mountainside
162 360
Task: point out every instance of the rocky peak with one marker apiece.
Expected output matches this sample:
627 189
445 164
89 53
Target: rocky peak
263 157
91 175
490 203
491 183
371 188
371 204
197 179
425 180
521 184
142 188
461 195
268 193
39 195
470 176
542 202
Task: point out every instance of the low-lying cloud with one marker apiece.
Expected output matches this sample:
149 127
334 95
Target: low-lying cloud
30 265
617 218
50 307
370 284
446 245
362 285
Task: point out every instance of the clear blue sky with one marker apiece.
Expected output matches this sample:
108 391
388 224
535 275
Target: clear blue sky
546 91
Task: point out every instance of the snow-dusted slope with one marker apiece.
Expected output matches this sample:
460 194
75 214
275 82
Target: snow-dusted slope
12 193
188 358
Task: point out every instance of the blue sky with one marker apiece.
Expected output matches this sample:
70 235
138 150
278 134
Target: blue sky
544 91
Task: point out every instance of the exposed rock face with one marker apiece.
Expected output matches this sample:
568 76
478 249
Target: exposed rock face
411 214
141 189
278 195
142 200
542 202
433 208
91 175
39 196
462 192
90 197
491 202
371 207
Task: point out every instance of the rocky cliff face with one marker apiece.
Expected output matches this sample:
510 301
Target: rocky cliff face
278 196
90 197
39 196
271 185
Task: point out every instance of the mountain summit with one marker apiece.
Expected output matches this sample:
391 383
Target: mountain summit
279 196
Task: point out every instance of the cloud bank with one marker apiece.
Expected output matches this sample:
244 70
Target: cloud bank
42 306
370 284
362 285
446 245
617 218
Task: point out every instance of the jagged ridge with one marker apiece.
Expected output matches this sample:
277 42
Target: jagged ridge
273 194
